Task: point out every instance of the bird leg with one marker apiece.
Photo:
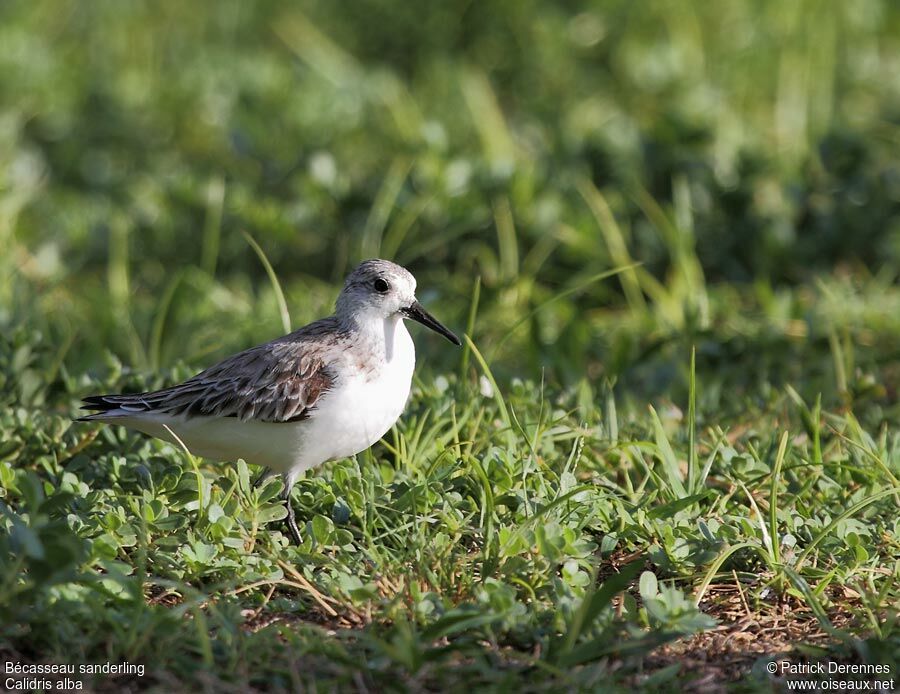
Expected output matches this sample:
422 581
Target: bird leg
263 476
291 520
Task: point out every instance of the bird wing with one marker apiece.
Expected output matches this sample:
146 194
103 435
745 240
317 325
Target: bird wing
280 381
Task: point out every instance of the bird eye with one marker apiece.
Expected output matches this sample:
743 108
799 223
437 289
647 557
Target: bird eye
381 285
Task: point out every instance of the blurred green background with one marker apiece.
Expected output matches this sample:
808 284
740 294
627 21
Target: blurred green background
745 153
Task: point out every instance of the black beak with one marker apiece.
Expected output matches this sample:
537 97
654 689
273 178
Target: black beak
420 315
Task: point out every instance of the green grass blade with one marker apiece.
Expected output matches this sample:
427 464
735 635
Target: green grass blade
470 331
384 204
763 528
615 242
276 285
667 458
495 389
773 497
212 226
692 425
159 320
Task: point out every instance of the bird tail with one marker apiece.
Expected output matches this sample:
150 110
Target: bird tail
112 406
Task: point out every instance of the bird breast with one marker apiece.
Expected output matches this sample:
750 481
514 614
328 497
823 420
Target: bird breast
365 401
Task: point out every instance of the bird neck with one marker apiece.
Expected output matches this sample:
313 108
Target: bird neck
381 333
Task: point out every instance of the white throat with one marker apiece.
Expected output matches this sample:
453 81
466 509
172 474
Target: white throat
386 335
391 325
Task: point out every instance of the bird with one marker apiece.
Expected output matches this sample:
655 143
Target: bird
326 391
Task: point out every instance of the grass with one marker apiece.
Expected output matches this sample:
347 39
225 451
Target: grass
667 449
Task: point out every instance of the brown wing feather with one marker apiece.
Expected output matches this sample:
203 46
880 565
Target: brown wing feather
280 381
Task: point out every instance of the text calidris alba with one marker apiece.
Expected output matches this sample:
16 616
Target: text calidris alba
328 390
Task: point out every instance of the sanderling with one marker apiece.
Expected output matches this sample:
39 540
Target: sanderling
326 391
